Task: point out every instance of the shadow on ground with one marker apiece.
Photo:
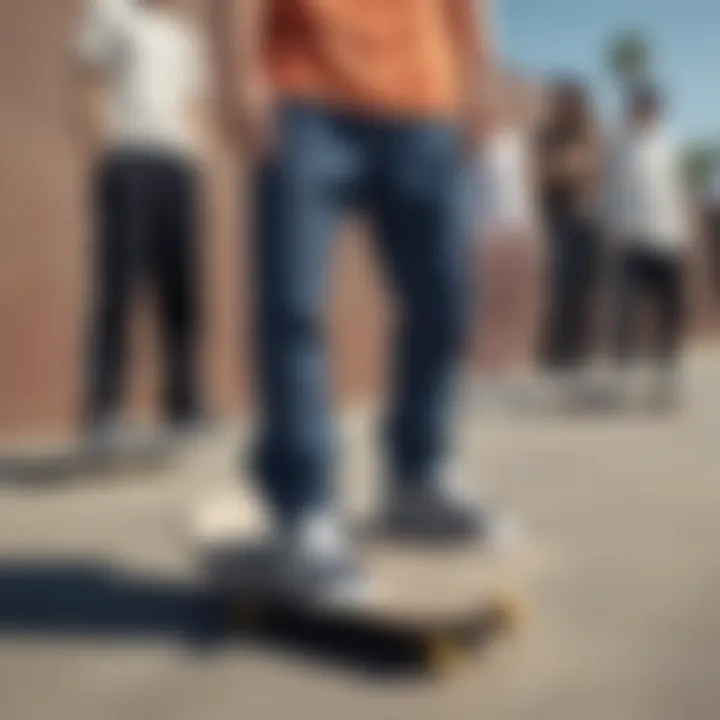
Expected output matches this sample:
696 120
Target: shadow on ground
584 401
84 600
74 464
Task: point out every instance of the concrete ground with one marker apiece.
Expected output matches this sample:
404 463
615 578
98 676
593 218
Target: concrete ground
98 612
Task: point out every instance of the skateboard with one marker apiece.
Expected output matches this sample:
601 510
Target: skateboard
436 604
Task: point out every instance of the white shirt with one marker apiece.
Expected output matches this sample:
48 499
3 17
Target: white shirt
504 184
156 70
645 193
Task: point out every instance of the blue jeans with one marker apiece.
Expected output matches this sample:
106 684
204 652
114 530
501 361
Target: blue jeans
408 177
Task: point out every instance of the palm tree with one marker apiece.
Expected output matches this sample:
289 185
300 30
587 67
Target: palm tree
629 57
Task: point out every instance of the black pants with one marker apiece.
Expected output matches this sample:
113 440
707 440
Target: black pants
146 221
647 275
574 267
713 244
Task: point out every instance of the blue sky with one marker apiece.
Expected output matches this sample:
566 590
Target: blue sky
543 36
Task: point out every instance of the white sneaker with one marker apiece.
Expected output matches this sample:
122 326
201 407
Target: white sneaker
316 567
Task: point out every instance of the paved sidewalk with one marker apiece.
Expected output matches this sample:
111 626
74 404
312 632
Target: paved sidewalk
97 609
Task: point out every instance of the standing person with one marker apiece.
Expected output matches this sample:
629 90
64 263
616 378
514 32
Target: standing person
141 87
648 224
507 231
569 168
343 104
711 224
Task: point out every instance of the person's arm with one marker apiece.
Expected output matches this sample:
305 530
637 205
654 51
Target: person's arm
612 190
470 29
86 112
203 96
248 97
87 96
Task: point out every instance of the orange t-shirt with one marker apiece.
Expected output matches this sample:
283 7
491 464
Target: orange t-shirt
387 56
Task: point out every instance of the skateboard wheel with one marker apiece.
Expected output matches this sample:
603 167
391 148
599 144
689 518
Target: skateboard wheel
442 655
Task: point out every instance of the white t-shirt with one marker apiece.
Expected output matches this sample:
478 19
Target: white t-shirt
504 184
156 70
645 194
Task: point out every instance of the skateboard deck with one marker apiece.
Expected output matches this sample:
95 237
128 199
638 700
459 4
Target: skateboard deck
438 602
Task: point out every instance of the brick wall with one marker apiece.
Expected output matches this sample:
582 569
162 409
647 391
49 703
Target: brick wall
44 259
43 242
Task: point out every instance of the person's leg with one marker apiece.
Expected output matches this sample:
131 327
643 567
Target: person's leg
579 292
120 230
672 310
551 336
565 314
423 235
177 276
418 204
627 288
566 311
713 245
299 195
669 296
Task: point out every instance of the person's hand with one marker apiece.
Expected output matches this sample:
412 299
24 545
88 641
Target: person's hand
88 137
252 117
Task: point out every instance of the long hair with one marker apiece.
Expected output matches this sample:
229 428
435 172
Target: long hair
571 109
